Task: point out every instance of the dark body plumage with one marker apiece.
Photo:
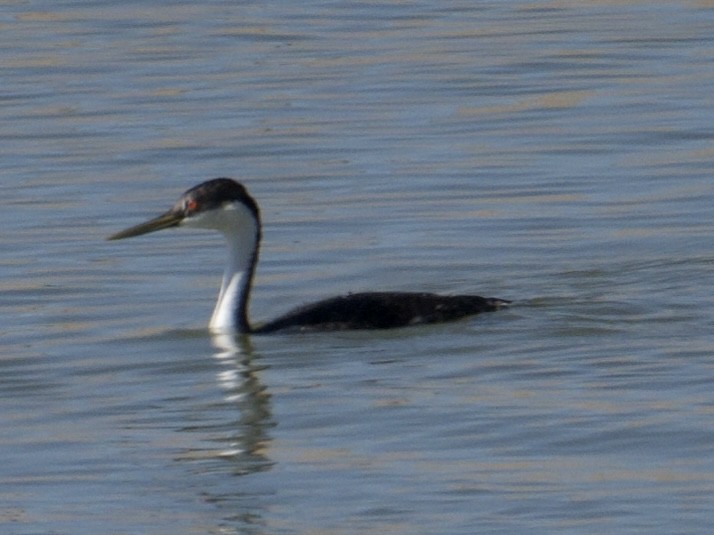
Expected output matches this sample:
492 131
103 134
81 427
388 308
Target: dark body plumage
381 310
224 205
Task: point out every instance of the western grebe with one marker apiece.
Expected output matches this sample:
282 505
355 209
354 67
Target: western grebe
224 205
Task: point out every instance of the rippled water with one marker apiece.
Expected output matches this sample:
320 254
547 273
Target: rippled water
557 154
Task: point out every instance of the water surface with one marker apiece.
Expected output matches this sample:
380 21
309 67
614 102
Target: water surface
557 154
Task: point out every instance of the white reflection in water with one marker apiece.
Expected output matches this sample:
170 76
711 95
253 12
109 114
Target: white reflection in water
243 390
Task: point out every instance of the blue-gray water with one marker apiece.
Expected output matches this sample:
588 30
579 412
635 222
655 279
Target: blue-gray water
555 153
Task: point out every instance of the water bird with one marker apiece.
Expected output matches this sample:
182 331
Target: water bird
225 205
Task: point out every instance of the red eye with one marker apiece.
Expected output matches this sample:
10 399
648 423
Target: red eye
191 206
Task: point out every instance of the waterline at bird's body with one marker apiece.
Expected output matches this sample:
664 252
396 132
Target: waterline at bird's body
224 205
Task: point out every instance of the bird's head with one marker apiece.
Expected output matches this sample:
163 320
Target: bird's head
221 204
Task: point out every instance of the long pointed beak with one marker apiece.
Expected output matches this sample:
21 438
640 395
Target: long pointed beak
169 219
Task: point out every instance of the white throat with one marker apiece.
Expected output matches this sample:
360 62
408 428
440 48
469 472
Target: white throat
238 225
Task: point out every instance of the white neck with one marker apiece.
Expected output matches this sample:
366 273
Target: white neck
234 287
242 233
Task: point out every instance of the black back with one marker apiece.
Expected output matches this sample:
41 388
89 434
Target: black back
381 310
